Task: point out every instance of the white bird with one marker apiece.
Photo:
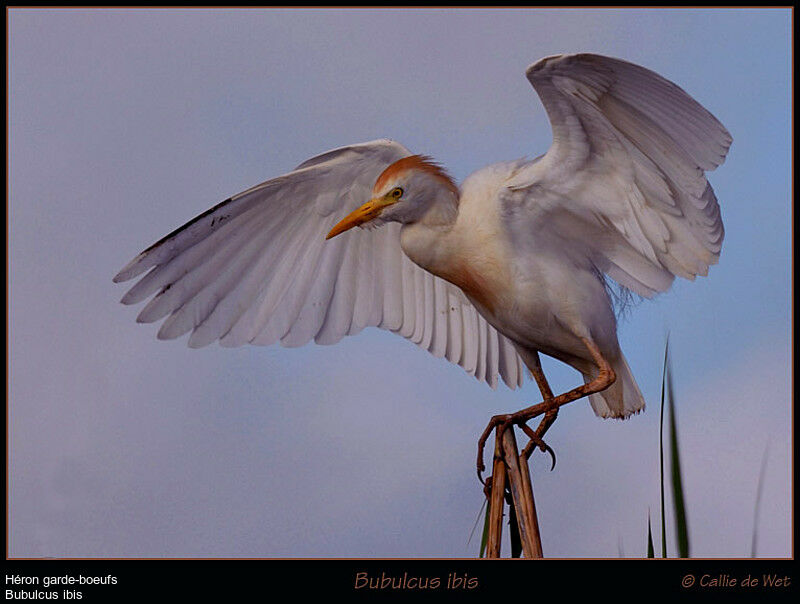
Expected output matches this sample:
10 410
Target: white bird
489 274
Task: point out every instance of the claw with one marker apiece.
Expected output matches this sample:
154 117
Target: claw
497 420
487 488
552 453
536 441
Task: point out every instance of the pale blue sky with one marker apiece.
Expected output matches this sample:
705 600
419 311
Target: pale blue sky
124 124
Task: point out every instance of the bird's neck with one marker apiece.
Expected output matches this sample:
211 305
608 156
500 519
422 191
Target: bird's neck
426 240
468 254
442 212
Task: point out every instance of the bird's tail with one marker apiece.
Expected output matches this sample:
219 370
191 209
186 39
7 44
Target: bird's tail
622 398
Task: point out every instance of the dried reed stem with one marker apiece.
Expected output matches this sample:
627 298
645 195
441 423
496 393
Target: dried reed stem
522 494
527 488
512 468
498 487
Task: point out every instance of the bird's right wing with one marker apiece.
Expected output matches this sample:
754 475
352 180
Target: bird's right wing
257 268
623 182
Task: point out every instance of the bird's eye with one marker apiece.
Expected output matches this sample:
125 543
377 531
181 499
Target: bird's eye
397 193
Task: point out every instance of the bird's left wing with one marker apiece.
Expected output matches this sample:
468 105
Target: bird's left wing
623 183
257 268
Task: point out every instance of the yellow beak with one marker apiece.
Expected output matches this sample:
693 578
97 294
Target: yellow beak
365 213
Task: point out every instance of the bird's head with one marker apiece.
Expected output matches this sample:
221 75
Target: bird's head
404 192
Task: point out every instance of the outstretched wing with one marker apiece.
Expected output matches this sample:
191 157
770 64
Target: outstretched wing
624 180
256 268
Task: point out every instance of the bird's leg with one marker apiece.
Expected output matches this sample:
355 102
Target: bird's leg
604 379
538 375
550 407
549 416
534 363
535 366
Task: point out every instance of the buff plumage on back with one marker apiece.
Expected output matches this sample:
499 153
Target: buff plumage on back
257 269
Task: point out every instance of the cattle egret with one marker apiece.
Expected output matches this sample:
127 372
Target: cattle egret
512 263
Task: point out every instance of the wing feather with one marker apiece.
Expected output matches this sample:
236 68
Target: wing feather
392 279
438 347
480 360
455 329
409 298
469 349
630 151
339 315
257 269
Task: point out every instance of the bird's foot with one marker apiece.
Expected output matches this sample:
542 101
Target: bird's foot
520 418
500 422
536 441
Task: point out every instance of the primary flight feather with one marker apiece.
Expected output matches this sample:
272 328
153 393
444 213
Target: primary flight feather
488 274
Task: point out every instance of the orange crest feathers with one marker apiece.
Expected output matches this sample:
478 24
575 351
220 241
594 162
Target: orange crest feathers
416 162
